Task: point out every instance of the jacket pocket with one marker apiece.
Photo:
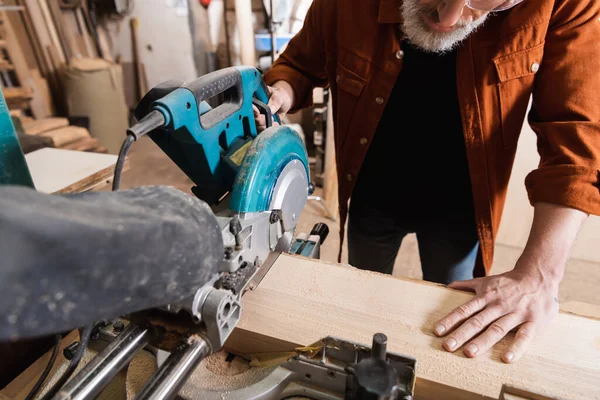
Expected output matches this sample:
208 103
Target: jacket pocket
349 88
516 74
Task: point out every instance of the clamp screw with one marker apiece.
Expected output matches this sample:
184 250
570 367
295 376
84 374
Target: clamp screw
228 251
235 227
274 218
118 326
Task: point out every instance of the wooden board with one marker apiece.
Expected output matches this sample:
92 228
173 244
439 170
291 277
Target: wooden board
301 301
69 171
68 134
85 144
37 126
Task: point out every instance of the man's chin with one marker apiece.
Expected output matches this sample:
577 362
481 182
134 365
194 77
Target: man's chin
423 29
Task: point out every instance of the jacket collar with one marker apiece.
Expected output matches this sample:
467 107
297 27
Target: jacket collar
389 12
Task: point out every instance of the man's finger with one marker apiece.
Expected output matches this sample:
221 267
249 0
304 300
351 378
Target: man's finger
494 333
256 111
523 337
459 315
275 103
261 122
470 285
471 327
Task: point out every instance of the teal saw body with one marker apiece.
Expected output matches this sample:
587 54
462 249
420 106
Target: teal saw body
219 147
13 167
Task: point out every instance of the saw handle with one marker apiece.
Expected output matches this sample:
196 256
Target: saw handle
228 82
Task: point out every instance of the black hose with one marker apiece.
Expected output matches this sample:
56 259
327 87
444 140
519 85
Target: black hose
121 161
40 381
83 343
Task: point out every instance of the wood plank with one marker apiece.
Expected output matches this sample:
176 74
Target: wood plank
56 43
69 171
84 144
37 48
37 126
68 134
330 178
302 300
62 32
41 30
87 40
41 103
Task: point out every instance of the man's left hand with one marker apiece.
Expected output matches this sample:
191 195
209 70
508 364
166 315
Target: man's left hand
518 298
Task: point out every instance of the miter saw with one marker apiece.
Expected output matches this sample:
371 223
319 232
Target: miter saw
256 185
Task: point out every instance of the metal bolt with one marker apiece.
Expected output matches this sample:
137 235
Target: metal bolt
118 326
274 218
228 251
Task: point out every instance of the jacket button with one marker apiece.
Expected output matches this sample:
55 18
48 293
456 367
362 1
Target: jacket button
379 100
535 67
349 177
363 140
399 54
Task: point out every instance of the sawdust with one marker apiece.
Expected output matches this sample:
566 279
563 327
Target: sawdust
139 371
219 365
217 373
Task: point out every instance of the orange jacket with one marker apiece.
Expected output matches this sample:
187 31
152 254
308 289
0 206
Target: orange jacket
547 49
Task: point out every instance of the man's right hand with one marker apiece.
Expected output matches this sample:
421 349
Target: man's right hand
280 102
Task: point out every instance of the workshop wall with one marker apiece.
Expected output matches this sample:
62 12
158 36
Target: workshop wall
165 39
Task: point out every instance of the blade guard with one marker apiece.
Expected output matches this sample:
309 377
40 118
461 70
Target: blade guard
263 163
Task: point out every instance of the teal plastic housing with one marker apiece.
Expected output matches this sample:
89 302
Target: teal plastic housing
13 166
205 142
269 153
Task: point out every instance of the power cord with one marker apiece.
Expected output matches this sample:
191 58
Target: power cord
155 119
121 161
36 388
85 335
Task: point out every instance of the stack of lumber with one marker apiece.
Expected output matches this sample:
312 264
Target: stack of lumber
61 134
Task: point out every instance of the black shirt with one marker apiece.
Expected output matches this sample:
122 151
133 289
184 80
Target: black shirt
416 164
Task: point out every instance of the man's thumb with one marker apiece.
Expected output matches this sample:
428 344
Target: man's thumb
275 102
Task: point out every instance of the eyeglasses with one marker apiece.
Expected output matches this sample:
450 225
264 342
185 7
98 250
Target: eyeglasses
492 5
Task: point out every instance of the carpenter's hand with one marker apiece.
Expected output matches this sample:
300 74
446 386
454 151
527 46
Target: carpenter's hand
517 299
280 102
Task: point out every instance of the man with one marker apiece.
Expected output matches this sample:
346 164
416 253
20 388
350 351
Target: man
429 97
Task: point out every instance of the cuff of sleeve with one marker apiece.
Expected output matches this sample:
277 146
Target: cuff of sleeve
567 185
302 85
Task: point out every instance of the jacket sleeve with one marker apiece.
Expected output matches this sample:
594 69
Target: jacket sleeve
565 112
302 63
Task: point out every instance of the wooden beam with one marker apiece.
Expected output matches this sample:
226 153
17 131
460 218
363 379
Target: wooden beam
41 102
330 178
301 301
37 126
52 31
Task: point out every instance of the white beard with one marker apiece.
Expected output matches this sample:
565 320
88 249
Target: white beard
421 35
